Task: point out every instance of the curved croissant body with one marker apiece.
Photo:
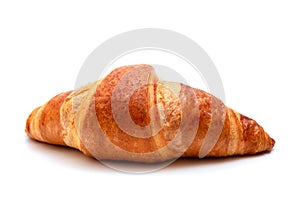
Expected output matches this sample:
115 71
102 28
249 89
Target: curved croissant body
131 115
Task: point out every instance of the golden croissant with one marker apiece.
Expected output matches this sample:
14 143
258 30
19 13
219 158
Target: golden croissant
132 115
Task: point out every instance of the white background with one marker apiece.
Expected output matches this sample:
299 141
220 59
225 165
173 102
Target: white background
255 46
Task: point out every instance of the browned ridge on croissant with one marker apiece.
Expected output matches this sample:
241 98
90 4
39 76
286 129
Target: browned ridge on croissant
131 115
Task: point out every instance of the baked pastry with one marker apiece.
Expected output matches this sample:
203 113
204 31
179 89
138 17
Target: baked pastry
131 115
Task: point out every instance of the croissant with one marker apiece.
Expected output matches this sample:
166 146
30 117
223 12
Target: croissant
131 115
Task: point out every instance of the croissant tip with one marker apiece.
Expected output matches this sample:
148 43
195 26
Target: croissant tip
272 141
29 120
